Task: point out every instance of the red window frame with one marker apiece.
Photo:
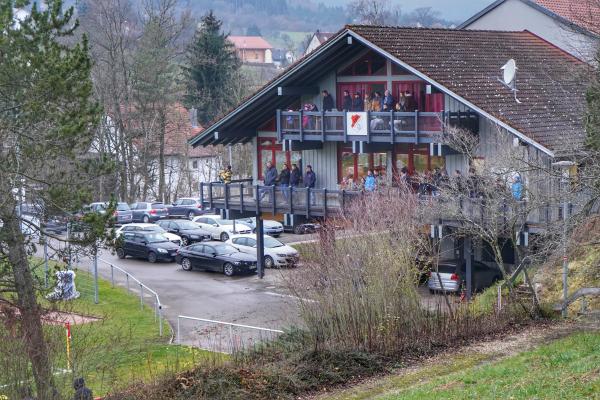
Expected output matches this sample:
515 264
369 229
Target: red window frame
274 147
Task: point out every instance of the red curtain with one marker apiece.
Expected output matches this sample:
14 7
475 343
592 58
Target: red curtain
434 102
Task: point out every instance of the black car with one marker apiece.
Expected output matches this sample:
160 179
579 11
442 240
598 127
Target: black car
186 207
152 246
146 212
215 256
189 231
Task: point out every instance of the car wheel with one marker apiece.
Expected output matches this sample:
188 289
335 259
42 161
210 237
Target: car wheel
228 269
186 264
224 237
298 230
121 253
269 263
146 219
152 257
431 291
191 215
185 241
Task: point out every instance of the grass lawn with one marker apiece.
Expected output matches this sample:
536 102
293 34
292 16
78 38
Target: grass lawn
568 368
122 347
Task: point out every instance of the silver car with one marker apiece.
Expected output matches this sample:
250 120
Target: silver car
451 276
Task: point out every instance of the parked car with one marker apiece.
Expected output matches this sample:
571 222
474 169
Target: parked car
270 227
215 256
302 229
277 254
453 276
121 215
146 212
141 227
153 246
186 207
221 229
186 229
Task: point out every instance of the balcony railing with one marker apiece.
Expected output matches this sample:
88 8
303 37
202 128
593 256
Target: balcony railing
247 198
381 127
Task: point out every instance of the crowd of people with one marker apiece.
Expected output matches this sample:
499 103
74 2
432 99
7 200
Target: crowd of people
432 183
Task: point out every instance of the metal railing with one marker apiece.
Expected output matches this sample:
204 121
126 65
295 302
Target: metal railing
233 341
128 278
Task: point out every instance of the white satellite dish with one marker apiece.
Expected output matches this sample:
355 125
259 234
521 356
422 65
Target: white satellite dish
509 77
510 71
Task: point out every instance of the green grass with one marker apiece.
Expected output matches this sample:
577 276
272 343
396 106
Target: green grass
122 347
568 368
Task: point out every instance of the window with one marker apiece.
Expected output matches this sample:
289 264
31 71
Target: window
188 202
210 221
128 235
128 228
239 241
195 164
197 248
269 150
251 242
369 64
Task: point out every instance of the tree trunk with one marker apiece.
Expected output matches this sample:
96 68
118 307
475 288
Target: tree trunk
161 156
30 311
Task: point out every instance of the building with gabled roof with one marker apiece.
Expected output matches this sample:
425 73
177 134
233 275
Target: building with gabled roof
449 77
252 49
572 25
317 39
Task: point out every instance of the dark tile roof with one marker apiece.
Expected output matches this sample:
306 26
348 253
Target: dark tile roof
585 13
551 83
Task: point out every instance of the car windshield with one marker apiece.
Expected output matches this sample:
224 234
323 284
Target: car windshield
122 207
158 206
225 249
155 237
271 243
445 268
187 225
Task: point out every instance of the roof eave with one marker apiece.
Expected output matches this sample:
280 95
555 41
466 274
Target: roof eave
210 130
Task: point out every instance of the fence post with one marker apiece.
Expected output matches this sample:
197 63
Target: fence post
141 296
96 275
127 279
160 322
178 331
112 275
46 262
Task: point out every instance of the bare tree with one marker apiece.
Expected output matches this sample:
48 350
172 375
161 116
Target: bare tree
374 12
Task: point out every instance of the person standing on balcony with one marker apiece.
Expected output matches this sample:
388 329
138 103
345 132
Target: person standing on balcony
388 101
367 103
347 101
270 178
310 179
284 180
226 174
357 103
370 182
376 122
295 176
327 101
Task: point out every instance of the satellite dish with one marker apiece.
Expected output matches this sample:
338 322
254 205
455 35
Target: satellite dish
510 71
509 77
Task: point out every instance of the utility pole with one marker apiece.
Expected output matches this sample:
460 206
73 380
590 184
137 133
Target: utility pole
564 181
260 246
96 273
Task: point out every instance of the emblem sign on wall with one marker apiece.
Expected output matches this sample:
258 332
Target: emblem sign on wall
356 123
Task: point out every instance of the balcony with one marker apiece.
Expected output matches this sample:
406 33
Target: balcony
377 127
253 199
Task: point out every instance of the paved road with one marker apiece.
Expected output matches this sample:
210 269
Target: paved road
245 300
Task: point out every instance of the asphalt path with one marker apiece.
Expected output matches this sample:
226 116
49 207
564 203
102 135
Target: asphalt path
241 299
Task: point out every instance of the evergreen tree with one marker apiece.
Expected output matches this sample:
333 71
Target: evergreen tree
47 122
211 71
593 108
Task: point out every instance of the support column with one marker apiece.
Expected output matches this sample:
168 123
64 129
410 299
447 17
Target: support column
467 251
260 246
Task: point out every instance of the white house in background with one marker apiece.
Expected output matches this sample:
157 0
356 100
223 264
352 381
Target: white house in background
185 166
317 39
572 25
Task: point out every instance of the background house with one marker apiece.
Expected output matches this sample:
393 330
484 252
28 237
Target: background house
252 49
317 39
572 25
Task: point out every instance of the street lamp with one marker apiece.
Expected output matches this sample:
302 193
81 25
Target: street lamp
564 167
